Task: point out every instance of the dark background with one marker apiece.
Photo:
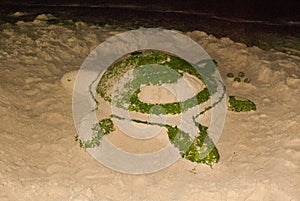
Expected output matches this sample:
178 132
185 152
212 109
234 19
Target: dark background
249 9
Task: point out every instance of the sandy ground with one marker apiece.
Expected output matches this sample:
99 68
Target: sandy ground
39 159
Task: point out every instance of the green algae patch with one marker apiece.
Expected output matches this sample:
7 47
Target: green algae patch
241 74
202 149
237 79
240 77
238 104
230 75
141 58
104 127
169 108
247 80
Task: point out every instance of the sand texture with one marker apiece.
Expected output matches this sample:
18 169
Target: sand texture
39 159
